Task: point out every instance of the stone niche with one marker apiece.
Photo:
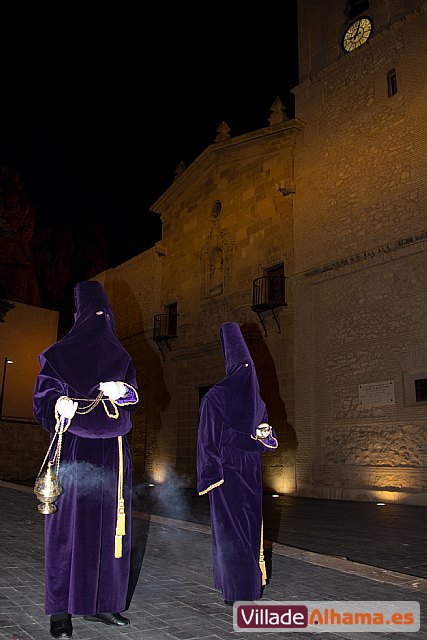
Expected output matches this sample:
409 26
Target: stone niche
216 259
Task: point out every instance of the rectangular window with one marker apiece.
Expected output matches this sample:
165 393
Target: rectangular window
276 284
415 387
172 313
421 390
392 82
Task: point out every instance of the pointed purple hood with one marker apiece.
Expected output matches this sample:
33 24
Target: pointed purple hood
90 353
237 395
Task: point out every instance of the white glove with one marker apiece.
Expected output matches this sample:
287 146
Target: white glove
263 430
66 407
113 390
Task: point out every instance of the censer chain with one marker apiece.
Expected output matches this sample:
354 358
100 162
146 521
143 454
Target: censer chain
92 403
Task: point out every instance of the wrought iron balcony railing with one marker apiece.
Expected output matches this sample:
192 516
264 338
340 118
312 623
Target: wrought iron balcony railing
268 293
165 326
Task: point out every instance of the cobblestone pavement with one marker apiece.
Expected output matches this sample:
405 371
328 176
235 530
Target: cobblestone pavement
171 593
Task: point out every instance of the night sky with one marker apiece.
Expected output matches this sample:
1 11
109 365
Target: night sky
97 115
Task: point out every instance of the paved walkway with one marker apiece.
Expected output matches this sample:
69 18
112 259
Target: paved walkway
171 593
392 537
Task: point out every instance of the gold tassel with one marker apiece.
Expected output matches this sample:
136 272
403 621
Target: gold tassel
263 572
121 519
118 547
120 527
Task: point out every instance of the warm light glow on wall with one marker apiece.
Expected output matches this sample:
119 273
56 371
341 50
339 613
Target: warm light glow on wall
159 473
280 486
387 496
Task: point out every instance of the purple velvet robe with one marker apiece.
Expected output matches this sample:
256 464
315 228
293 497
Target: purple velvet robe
82 575
229 468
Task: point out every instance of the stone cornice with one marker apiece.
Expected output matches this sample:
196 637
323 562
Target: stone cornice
366 259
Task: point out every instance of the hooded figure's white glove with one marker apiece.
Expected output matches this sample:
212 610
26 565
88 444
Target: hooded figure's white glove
264 430
66 407
113 390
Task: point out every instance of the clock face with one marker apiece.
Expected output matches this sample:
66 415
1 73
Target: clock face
357 34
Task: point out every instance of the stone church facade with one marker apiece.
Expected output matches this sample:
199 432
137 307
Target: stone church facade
311 233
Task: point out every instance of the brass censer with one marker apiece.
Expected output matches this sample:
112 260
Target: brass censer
47 489
46 486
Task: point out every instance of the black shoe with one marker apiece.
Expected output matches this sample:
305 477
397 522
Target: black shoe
109 618
61 628
229 602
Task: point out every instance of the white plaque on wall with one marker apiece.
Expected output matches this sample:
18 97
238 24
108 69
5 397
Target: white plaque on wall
376 394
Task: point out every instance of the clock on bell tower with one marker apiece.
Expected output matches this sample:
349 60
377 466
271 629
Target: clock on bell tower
357 33
328 31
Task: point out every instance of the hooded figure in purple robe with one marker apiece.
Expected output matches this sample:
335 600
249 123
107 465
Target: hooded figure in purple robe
233 434
87 383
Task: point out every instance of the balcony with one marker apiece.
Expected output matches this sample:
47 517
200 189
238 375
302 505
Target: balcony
164 330
165 325
268 294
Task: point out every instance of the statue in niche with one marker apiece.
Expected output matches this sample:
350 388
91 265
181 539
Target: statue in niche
216 272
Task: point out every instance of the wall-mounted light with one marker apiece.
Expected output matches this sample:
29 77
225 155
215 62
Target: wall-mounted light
285 190
3 383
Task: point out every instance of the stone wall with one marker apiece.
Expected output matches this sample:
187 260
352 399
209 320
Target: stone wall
252 232
23 446
360 269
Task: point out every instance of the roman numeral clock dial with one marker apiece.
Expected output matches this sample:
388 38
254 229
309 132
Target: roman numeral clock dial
356 34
